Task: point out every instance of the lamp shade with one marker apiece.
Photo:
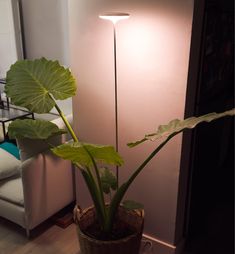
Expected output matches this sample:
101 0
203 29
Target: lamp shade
114 17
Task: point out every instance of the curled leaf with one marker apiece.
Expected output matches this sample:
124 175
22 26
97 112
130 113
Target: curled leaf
132 205
176 126
108 180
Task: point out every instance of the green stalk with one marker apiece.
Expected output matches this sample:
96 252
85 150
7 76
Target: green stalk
99 183
94 195
70 129
122 190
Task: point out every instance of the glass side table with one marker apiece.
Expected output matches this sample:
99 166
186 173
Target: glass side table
9 114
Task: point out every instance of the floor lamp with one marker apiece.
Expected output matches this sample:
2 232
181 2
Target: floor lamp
114 18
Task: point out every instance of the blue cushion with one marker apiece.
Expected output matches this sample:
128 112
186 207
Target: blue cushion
11 148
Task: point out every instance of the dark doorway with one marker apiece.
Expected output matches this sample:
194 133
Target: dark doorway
210 225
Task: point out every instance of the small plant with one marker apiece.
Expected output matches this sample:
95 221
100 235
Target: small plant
36 85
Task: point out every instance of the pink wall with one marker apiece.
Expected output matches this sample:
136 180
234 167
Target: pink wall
153 53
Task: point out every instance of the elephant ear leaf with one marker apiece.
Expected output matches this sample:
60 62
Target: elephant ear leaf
81 153
33 129
34 84
176 126
108 180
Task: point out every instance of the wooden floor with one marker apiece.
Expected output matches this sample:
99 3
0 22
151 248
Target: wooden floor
45 239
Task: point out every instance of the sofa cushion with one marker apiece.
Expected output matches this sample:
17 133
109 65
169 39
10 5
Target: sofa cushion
9 165
11 148
11 190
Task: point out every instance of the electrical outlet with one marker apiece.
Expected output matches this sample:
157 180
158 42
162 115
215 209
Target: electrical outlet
146 246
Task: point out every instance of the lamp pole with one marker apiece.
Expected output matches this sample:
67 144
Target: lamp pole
114 18
115 89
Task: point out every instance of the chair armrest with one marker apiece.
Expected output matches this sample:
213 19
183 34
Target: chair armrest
47 186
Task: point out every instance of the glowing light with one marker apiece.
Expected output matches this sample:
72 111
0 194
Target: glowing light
114 17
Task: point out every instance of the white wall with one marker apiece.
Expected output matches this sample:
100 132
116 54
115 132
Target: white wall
10 40
153 54
46 33
46 29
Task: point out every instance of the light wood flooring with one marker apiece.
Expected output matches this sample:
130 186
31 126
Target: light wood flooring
45 239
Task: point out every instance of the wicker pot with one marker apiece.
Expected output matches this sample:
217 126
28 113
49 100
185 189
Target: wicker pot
129 244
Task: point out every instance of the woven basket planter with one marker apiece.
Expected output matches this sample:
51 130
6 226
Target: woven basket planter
129 244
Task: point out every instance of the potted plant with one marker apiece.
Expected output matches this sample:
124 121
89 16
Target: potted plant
105 227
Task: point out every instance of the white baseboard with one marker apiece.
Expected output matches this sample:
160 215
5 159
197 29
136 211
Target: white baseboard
161 247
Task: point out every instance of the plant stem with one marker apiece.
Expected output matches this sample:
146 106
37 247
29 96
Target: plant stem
66 123
122 190
98 181
139 169
96 193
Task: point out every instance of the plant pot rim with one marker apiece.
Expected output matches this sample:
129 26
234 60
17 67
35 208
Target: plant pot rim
125 239
97 241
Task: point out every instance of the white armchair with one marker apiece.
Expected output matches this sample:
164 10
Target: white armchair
45 185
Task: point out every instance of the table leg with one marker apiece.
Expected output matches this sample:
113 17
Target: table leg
4 130
1 102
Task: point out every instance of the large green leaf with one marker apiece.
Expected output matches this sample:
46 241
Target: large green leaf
31 84
176 126
132 205
33 129
108 180
81 153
